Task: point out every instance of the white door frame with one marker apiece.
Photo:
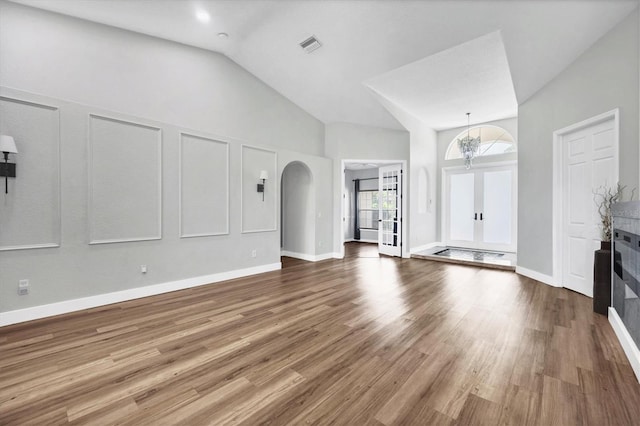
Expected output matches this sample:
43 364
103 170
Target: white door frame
405 198
444 205
558 175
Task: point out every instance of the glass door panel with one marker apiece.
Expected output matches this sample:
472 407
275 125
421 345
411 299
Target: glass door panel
497 207
461 207
481 208
390 210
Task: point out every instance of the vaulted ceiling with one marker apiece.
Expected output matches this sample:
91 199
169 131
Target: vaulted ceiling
436 60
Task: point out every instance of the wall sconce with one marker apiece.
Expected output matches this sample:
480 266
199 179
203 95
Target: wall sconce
263 177
7 146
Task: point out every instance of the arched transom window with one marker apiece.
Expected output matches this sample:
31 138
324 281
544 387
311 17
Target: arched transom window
494 140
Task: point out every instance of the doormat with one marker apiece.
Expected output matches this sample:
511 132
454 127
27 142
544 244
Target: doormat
468 254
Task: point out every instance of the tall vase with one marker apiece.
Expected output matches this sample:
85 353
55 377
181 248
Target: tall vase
602 278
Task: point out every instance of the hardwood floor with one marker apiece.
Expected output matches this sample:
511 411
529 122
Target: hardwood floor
361 341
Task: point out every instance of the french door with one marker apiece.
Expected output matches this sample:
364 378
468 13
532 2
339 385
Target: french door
480 207
390 210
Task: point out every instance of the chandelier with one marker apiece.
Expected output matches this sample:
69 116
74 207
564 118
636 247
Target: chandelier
468 146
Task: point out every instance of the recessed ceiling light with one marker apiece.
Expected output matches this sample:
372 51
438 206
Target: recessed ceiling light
223 35
203 16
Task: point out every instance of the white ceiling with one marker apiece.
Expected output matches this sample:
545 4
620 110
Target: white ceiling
363 40
471 77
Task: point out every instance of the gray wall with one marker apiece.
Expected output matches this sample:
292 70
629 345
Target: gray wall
603 78
139 75
423 200
154 90
423 204
355 142
444 139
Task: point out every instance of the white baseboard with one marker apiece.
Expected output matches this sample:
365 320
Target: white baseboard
307 257
427 247
324 256
337 255
58 308
628 345
543 278
364 240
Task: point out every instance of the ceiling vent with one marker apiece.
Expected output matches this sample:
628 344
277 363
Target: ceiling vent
310 44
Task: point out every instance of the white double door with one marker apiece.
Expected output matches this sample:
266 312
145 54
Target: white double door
480 207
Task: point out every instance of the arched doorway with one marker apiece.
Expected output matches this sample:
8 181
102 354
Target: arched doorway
297 230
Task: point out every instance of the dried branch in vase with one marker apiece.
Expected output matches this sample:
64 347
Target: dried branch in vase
604 197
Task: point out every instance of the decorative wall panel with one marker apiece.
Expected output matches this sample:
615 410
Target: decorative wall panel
258 212
125 181
30 213
204 186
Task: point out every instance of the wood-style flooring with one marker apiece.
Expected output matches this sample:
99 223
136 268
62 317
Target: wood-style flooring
366 340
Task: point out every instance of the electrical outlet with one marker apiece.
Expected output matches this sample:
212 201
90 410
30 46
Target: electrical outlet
143 269
253 253
23 287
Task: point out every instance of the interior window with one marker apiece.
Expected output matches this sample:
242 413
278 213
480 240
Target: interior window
494 140
368 209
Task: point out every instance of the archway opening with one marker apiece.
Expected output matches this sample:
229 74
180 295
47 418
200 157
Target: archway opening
297 230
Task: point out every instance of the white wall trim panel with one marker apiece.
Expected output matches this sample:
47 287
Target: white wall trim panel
628 345
275 190
30 247
535 275
93 239
5 94
43 311
200 136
